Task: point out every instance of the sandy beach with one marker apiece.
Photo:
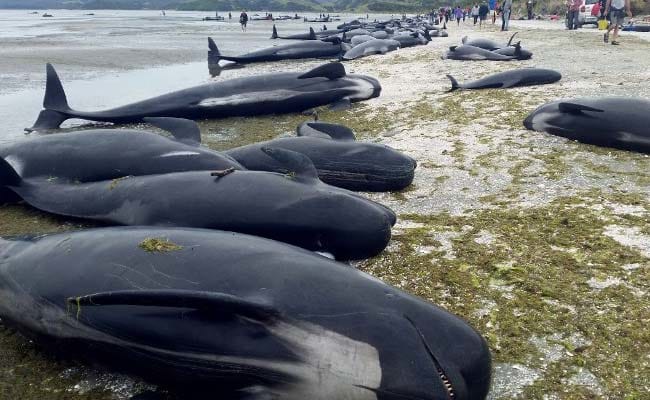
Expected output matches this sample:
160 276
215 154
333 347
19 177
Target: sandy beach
542 244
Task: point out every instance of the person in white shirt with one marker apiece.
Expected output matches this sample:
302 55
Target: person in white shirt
615 9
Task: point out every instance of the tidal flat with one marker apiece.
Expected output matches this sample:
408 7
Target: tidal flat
542 244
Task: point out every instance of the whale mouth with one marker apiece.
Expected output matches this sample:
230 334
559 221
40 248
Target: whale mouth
451 393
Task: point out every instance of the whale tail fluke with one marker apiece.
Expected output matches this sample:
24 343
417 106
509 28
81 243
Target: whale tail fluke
275 33
8 175
213 54
454 83
55 103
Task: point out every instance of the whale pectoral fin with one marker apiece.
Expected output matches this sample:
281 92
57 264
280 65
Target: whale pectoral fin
573 108
183 130
343 104
299 165
211 302
333 70
333 131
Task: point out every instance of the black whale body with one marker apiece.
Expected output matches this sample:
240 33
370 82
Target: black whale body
301 50
103 154
618 122
340 162
237 316
512 78
295 207
275 93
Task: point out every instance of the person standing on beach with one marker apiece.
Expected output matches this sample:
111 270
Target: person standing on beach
229 16
243 20
483 11
459 14
615 9
475 13
574 13
493 9
505 14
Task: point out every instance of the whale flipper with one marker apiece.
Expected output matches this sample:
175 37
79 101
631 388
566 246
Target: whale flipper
325 130
573 108
343 104
297 163
330 71
183 130
211 302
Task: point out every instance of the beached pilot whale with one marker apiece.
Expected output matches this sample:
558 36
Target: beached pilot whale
512 78
295 207
374 46
308 49
103 154
276 93
487 44
471 53
618 122
299 36
235 316
339 159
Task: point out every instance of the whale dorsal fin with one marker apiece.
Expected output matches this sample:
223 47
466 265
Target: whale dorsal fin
211 302
464 39
573 108
297 164
325 130
183 130
312 34
332 70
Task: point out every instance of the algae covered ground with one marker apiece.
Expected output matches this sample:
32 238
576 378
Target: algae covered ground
542 244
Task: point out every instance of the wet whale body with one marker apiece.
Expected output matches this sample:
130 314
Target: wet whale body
241 316
618 122
257 95
338 158
471 53
374 46
299 36
104 154
487 44
507 79
295 207
308 49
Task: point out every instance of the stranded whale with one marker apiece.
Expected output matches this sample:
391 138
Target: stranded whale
295 207
256 95
235 316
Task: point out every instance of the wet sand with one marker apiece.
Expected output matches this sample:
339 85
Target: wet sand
541 243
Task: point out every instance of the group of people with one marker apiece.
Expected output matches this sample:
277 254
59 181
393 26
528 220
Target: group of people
479 13
613 10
